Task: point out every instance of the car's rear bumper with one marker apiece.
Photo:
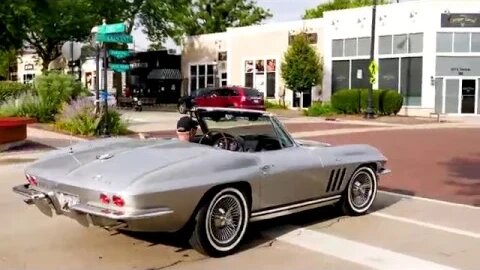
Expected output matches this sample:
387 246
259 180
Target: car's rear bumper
88 214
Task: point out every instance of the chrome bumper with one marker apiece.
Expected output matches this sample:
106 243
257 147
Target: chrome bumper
383 171
46 202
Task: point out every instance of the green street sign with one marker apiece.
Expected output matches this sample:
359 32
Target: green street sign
111 28
119 54
115 38
119 67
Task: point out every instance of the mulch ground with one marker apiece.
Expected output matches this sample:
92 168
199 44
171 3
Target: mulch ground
441 164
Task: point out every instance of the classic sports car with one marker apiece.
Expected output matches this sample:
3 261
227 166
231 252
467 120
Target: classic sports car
243 166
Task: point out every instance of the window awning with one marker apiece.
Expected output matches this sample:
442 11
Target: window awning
165 74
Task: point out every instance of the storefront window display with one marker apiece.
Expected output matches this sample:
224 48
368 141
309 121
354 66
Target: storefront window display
261 74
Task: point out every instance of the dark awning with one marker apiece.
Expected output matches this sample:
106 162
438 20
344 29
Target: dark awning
165 74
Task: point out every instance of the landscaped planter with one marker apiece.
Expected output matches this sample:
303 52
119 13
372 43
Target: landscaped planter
13 129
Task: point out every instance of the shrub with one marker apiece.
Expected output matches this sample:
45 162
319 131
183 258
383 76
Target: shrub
79 118
353 101
27 105
320 109
9 89
392 102
54 89
274 105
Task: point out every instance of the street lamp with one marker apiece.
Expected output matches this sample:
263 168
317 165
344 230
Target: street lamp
369 113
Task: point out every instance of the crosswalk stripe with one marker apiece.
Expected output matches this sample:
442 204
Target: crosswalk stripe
428 225
356 252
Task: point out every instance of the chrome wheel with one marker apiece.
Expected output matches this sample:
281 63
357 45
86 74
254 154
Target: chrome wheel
225 219
361 189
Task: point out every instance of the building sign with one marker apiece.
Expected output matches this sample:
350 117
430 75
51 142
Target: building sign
28 67
312 38
458 66
460 20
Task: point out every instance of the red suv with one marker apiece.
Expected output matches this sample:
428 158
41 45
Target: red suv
226 96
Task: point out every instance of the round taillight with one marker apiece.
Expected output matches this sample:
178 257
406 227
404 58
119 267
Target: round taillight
118 201
104 199
32 180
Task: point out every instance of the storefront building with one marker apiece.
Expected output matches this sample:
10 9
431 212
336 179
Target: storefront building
429 51
247 56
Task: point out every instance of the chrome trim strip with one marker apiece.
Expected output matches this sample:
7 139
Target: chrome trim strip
383 171
119 214
290 209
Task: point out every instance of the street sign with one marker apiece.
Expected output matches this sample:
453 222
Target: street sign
119 67
111 28
72 53
373 68
115 38
119 54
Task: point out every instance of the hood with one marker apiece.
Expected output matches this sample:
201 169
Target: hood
112 165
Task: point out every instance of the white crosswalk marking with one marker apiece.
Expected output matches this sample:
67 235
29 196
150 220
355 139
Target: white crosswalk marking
360 253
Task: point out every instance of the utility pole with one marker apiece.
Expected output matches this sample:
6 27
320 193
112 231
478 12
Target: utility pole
369 113
105 132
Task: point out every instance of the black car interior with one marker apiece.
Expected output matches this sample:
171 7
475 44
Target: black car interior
255 138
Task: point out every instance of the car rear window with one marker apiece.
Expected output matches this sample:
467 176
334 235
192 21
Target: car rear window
250 92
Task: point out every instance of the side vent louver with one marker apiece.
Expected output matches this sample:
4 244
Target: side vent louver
335 180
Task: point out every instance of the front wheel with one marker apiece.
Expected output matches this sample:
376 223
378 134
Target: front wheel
221 223
360 192
182 108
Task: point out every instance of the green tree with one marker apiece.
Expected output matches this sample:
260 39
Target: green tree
175 18
317 12
7 59
301 67
13 17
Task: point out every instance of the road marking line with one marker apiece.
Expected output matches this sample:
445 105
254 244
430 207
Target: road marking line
428 225
430 200
356 252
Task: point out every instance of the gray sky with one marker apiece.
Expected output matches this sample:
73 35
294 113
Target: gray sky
282 10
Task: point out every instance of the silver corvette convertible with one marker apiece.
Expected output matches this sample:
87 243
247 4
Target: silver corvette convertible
242 166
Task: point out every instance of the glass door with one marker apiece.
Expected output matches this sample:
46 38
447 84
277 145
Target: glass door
468 96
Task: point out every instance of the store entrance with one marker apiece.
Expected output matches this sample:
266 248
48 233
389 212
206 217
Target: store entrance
468 94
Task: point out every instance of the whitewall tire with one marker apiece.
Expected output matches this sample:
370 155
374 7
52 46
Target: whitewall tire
221 223
360 192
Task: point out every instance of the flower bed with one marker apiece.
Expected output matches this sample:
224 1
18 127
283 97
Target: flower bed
13 129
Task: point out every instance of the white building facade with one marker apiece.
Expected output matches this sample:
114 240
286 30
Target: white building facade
429 51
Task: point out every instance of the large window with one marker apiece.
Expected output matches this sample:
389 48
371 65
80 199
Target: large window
202 76
351 47
403 74
400 44
340 75
261 74
458 42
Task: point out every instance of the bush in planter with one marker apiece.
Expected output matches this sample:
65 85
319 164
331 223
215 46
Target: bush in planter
9 89
353 101
54 89
320 109
79 118
27 105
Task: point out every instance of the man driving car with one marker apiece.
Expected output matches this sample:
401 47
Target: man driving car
186 128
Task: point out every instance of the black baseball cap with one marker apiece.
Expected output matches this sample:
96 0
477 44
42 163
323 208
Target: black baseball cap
186 124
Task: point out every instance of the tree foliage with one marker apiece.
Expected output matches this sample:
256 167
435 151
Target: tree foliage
301 67
317 12
176 18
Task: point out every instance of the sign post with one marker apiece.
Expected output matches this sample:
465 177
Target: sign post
112 33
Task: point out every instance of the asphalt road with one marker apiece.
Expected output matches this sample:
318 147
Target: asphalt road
401 233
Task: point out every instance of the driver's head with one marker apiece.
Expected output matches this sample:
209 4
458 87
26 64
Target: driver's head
186 128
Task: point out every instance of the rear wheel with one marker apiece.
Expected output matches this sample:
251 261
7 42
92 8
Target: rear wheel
360 192
220 223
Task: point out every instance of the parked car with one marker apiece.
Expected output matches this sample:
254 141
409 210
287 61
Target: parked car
111 100
227 96
243 166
